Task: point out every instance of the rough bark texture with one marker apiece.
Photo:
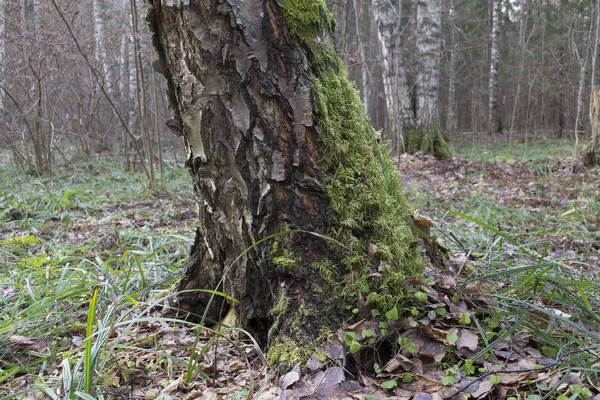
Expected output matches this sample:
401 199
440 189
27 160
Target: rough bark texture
494 64
100 37
388 18
429 40
277 140
426 135
451 119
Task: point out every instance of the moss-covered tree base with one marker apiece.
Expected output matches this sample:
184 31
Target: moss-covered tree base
279 148
428 141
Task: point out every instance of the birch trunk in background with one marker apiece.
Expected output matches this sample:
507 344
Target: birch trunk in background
2 56
494 64
388 17
589 155
100 53
581 81
426 136
429 18
451 120
363 59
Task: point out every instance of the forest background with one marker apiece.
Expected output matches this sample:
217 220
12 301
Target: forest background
88 158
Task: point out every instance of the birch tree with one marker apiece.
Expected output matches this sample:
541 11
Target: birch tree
388 17
100 50
427 135
2 55
494 64
590 158
281 157
451 118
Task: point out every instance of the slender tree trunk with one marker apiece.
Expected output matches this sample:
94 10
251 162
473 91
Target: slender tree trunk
494 65
589 155
451 124
2 55
581 82
100 52
364 67
277 142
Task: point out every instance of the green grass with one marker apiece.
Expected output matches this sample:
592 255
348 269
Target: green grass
531 151
88 258
531 218
85 255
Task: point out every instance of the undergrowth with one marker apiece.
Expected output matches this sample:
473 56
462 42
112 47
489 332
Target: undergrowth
87 256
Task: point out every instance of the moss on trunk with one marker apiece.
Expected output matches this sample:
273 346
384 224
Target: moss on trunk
286 134
429 141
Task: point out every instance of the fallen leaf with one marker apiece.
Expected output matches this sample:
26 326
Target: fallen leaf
290 378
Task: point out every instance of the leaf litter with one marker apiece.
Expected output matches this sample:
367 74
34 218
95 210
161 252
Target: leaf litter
466 342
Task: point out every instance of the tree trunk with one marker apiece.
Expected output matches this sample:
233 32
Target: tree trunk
589 155
364 67
581 81
100 52
427 136
2 55
451 120
429 40
388 20
494 65
281 156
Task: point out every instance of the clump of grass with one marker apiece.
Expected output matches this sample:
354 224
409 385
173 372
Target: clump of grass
85 256
530 299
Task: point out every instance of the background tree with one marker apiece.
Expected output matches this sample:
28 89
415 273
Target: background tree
54 102
496 28
276 142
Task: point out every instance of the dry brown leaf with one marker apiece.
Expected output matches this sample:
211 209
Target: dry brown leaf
291 377
235 366
467 340
485 387
398 361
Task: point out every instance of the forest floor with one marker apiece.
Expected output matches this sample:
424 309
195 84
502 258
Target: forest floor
513 313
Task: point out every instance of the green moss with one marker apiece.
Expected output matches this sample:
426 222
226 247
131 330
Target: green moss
308 19
281 257
282 305
428 141
286 354
328 270
365 192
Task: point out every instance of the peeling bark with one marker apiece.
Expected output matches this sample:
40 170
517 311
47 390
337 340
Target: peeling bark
276 140
429 20
388 18
248 130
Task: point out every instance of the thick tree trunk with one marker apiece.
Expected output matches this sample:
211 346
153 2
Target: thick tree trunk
494 65
427 136
277 141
